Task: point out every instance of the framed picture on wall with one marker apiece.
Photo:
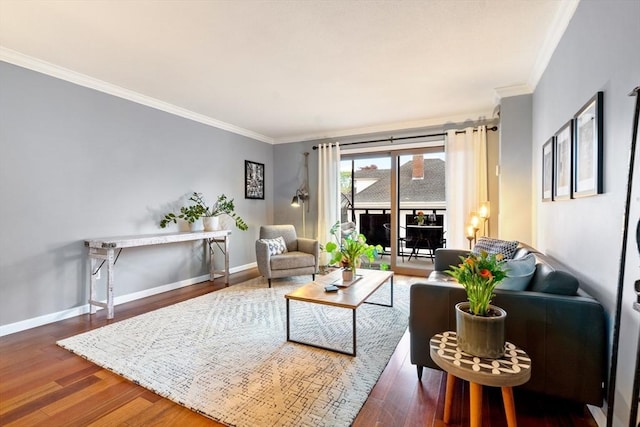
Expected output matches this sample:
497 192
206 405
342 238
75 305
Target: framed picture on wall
547 171
253 180
562 162
587 149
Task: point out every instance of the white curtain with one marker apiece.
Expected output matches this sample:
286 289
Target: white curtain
328 192
466 178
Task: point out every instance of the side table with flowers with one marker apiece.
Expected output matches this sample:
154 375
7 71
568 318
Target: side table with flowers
480 325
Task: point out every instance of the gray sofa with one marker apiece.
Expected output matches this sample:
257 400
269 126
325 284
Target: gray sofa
560 326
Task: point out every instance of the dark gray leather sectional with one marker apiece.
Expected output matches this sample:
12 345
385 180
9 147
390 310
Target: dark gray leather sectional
565 335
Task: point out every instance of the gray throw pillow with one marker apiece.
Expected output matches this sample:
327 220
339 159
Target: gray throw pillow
519 273
496 246
277 246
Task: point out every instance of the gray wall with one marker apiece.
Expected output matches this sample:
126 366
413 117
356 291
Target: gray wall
76 163
598 52
515 220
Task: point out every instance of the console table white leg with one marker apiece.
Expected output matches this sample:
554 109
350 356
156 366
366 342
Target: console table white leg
110 271
225 249
93 264
226 260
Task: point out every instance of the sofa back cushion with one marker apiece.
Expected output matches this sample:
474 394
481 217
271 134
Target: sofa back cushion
551 281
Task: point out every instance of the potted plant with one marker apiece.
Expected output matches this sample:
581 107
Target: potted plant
419 218
480 325
349 249
199 209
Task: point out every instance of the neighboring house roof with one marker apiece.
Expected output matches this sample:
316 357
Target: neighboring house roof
428 190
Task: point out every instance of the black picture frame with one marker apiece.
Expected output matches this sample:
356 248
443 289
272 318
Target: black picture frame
587 148
562 162
253 180
547 170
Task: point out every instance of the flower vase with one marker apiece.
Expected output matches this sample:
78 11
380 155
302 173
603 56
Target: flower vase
481 336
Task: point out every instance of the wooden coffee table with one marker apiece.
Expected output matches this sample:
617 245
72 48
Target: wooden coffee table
350 297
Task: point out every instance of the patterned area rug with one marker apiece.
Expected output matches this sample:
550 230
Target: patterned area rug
225 354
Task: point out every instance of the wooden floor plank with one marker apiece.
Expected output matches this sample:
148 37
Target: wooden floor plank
43 384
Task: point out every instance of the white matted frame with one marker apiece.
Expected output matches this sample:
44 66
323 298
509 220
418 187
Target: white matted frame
562 164
587 149
547 170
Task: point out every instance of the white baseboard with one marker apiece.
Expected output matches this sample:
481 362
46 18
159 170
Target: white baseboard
23 325
599 415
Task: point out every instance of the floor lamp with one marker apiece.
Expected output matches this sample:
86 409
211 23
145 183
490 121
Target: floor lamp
302 194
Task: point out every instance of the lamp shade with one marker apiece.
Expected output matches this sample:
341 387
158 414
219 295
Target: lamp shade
474 220
296 201
485 210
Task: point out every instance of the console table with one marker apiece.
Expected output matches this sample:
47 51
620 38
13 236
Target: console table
103 250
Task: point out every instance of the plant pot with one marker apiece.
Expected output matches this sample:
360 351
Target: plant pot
347 275
211 223
196 225
481 336
183 225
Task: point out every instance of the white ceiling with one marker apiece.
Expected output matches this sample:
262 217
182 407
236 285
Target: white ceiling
283 71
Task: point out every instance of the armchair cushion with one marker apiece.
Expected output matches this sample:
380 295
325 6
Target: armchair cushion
292 260
276 246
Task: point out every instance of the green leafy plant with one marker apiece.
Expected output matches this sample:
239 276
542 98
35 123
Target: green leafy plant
222 206
349 250
479 275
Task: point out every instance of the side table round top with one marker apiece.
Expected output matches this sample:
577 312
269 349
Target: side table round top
512 369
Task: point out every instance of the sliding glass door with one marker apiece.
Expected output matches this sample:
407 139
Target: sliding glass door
388 194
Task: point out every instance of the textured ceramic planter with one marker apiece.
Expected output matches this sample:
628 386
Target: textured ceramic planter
211 223
347 275
481 336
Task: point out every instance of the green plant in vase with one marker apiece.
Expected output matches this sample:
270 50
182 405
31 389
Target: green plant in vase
479 275
349 250
222 206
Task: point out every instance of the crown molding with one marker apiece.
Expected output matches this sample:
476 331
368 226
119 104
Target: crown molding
34 64
514 90
391 127
556 30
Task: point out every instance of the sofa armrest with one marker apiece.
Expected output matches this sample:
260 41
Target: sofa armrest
263 258
445 258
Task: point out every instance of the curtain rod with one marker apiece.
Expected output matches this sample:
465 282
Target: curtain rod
392 139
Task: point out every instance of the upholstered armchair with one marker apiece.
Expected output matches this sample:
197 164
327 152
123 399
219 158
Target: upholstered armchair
281 253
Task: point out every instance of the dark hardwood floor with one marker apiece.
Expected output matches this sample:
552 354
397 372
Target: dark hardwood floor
42 384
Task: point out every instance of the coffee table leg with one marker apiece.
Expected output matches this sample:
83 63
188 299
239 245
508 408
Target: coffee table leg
354 331
509 406
287 319
448 397
476 404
